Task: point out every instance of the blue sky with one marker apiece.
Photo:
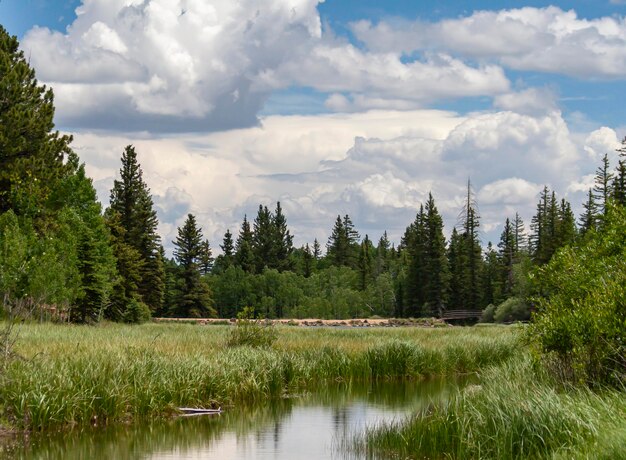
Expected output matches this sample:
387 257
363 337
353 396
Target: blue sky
358 107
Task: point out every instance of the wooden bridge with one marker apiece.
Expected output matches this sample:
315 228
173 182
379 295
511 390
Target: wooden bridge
461 315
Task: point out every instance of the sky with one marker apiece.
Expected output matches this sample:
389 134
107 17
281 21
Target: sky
334 107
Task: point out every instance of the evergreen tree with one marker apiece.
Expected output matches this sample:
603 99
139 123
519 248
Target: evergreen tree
31 154
282 241
132 205
263 240
602 187
619 182
205 259
507 255
519 233
455 262
365 263
244 255
317 250
435 260
382 254
195 296
566 230
470 254
343 246
492 276
588 220
414 290
307 261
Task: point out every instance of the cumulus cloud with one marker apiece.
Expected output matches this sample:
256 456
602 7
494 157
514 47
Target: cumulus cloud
190 65
379 178
539 39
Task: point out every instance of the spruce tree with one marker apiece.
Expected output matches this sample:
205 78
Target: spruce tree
435 260
470 254
282 241
338 246
317 250
307 261
455 262
195 296
602 187
619 182
205 259
365 263
507 255
589 219
492 277
263 240
414 290
31 154
244 255
132 205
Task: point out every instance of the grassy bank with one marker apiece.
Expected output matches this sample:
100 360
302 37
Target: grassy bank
516 412
73 375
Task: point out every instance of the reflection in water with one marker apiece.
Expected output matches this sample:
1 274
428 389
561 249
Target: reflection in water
307 427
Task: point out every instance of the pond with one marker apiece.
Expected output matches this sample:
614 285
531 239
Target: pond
310 426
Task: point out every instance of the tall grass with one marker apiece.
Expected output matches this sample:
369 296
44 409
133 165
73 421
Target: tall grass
516 412
78 375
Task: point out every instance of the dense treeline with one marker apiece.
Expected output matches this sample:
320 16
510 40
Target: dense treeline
61 255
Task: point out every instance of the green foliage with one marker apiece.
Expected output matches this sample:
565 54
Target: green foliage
581 318
488 314
514 413
133 223
136 312
512 309
252 331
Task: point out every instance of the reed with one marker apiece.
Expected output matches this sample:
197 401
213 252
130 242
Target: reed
516 412
79 375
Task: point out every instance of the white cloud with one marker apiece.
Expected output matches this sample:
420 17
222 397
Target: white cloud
540 39
190 65
314 166
531 101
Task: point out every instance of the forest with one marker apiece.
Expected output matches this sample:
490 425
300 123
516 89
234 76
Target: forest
64 257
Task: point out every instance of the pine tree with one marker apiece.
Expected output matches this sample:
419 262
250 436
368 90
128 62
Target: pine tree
602 188
205 259
132 203
263 239
338 246
415 241
492 276
307 261
588 220
455 262
566 231
470 254
31 155
519 233
619 182
435 263
365 263
282 241
382 254
244 255
507 255
317 250
195 297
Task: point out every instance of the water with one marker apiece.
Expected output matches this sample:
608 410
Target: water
310 426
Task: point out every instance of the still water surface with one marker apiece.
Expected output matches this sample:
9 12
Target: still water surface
311 426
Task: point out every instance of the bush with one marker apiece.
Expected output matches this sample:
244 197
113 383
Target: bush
581 314
252 331
513 309
136 312
488 314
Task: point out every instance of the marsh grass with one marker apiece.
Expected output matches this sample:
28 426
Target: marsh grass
516 412
79 375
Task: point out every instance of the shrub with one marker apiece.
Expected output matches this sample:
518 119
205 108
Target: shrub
252 331
513 309
581 314
488 314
